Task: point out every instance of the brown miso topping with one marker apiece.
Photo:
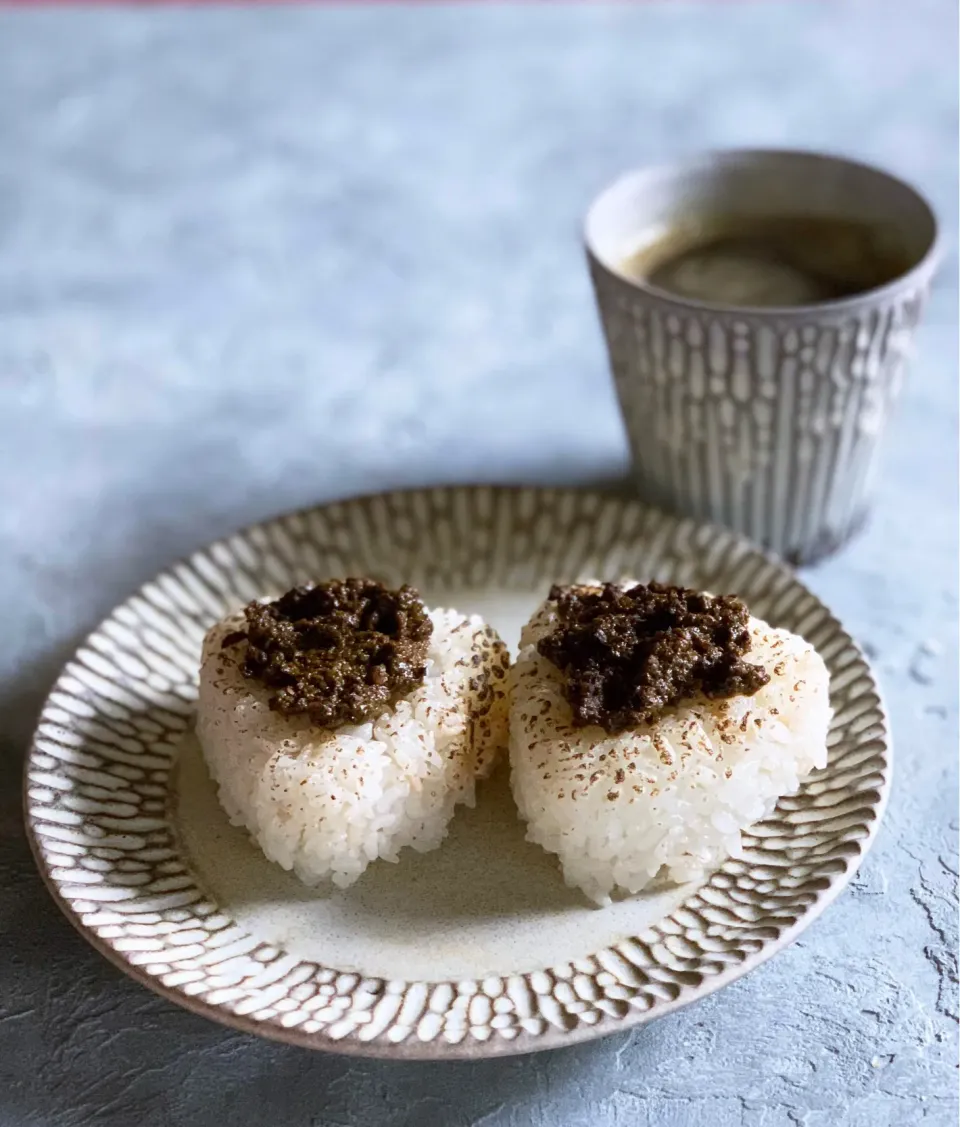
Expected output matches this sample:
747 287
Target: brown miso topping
337 651
628 655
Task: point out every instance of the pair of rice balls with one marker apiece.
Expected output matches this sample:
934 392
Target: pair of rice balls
647 726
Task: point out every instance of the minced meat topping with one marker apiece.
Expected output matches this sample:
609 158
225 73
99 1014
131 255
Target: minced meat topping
627 655
337 651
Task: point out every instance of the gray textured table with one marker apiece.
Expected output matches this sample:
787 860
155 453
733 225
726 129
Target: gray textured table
255 258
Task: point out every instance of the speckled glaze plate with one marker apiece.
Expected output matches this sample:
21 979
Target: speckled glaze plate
478 948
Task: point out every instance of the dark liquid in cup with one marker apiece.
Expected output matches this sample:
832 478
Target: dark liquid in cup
770 261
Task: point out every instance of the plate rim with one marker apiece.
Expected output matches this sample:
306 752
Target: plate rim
525 1043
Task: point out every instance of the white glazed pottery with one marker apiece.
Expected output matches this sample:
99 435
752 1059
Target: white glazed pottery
475 949
767 420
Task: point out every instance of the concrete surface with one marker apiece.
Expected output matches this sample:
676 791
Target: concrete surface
254 258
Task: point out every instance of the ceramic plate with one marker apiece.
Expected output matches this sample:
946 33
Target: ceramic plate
475 949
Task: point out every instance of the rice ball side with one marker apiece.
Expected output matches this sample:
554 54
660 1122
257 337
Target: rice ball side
326 802
669 798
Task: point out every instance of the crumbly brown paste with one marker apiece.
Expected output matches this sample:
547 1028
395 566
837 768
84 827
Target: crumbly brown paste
628 655
337 651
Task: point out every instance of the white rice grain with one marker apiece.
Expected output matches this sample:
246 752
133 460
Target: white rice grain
671 798
326 803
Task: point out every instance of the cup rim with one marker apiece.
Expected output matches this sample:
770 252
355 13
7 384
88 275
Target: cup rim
921 270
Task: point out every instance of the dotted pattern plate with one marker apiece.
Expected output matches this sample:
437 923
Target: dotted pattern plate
99 781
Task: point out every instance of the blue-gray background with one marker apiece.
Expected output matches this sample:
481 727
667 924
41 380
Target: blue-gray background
253 258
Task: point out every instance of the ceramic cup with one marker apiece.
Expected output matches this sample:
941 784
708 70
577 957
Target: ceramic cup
768 420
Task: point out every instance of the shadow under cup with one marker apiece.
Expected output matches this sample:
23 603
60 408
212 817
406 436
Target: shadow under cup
765 419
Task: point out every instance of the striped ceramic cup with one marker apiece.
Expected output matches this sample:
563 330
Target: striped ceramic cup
764 418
